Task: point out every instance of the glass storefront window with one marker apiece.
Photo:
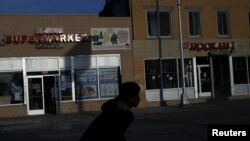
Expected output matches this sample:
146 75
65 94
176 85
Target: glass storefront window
169 69
152 74
86 84
109 82
170 73
188 67
11 88
66 87
240 70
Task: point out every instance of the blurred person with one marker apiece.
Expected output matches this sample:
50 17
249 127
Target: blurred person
116 116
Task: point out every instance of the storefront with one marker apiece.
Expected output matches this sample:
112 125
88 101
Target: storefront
71 63
215 43
212 70
48 67
44 82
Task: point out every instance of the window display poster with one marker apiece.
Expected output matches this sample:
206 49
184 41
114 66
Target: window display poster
86 83
109 81
4 100
65 82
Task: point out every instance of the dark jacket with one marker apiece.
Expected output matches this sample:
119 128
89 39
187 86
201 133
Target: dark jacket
110 125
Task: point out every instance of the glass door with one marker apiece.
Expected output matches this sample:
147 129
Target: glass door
35 95
204 80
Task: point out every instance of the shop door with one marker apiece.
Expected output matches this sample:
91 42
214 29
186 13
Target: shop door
51 94
35 95
222 85
204 81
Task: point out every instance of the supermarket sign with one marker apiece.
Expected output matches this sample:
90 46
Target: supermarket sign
44 38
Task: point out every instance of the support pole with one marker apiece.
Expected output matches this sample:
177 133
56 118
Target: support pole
184 97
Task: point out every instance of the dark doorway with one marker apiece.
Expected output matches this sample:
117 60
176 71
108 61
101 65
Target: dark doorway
49 94
202 60
221 72
204 76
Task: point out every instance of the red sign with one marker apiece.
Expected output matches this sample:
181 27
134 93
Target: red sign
208 46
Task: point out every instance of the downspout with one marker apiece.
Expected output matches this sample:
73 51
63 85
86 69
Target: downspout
162 103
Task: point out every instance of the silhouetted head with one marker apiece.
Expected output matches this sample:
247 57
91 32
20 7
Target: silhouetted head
129 92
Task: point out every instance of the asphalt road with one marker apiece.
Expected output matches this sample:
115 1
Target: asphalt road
151 124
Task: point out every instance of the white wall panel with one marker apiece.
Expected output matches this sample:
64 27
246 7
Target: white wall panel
10 64
64 63
42 64
108 61
241 89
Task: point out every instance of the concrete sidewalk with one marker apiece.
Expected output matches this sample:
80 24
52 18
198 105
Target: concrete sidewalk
157 123
139 112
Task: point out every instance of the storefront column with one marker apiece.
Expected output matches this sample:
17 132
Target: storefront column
231 75
25 82
195 78
212 76
73 78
